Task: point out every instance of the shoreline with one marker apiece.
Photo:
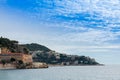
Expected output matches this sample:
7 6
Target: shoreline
40 66
74 65
32 66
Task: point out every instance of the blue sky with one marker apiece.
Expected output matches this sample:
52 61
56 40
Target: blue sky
82 27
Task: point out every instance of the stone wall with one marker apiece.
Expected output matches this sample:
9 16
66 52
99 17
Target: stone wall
26 58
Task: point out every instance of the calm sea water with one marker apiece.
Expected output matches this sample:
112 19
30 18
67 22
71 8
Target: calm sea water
64 73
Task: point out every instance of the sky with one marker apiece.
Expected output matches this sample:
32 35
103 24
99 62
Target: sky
79 27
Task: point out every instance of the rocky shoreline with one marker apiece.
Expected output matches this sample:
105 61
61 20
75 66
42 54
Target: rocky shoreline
38 65
35 65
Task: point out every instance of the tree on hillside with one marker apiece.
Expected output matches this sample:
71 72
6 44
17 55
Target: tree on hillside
10 44
3 62
25 51
36 47
12 59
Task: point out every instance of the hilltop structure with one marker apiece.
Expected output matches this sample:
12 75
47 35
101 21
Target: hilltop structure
7 56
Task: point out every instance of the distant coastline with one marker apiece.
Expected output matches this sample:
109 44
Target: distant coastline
10 66
74 65
27 56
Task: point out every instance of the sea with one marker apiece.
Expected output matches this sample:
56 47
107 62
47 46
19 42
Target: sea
107 72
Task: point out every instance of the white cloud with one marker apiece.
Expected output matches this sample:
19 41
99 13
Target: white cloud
92 36
88 49
106 10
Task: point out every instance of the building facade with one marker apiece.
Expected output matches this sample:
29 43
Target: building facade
6 55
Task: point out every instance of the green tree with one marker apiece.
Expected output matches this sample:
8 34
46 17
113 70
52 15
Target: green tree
12 59
20 62
25 51
3 62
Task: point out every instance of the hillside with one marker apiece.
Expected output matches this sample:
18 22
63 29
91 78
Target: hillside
56 58
41 53
36 47
12 45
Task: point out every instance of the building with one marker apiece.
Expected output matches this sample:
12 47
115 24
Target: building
6 55
4 50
